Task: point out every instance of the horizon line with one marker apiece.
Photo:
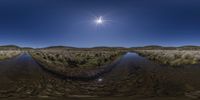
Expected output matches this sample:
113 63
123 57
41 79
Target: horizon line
97 46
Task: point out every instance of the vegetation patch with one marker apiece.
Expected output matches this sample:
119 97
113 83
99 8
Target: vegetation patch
172 57
75 62
7 54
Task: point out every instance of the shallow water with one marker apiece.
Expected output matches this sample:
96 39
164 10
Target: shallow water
132 75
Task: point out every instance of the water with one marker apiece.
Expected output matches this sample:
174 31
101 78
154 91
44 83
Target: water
132 75
130 63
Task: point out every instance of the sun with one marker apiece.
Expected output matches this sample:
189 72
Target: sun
99 20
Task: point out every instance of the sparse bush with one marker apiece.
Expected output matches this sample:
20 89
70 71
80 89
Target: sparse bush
6 54
75 61
172 57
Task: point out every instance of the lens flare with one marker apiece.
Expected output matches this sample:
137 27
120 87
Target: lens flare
99 20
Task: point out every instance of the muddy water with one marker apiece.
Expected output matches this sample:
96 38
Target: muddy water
133 76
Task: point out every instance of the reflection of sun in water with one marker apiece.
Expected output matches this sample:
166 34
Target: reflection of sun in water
100 80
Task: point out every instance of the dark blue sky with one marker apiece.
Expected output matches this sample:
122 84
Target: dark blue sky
40 23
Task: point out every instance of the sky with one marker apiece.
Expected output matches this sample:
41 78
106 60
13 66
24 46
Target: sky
127 23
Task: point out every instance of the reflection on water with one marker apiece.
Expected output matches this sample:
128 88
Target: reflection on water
132 75
100 79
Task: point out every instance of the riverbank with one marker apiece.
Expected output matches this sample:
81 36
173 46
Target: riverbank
8 54
77 64
172 57
105 98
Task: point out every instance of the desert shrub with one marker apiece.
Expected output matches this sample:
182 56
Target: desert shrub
78 60
6 54
172 57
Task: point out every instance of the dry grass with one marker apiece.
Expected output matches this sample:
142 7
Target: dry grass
172 57
6 54
74 62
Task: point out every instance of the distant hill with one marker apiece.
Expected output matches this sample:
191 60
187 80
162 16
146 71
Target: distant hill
14 47
59 47
155 47
189 47
148 47
9 47
27 48
104 47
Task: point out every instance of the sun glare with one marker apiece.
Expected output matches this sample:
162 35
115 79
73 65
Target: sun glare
99 20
